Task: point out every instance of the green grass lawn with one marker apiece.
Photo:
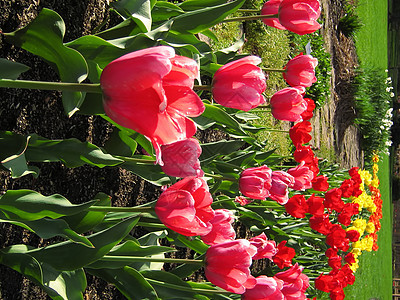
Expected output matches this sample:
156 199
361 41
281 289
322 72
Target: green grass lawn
374 277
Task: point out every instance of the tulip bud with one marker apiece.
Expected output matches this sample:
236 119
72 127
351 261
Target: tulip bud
256 182
222 230
300 71
288 104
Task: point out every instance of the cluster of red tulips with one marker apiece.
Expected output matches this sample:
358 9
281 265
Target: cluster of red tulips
152 92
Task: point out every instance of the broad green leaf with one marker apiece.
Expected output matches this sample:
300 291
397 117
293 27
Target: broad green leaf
59 285
201 19
199 4
167 285
164 10
11 69
44 37
69 256
48 228
188 41
128 281
138 10
72 152
208 286
30 205
222 147
120 143
87 220
129 248
150 173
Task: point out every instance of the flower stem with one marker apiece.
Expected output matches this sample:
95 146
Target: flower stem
248 10
52 86
151 259
152 225
273 70
187 289
202 87
121 209
219 177
249 18
133 159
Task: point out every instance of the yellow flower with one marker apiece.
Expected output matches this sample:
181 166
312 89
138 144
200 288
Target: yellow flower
370 227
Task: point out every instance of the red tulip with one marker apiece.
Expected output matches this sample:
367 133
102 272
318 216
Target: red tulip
271 7
337 238
227 265
300 133
283 258
309 113
240 84
302 177
185 207
279 189
266 288
315 205
222 230
297 206
300 16
333 199
300 71
320 183
349 258
353 235
321 223
288 104
181 159
303 153
265 248
150 91
256 182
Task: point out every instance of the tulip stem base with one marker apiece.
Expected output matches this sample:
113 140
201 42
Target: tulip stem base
52 86
151 259
219 177
202 87
248 10
187 288
249 18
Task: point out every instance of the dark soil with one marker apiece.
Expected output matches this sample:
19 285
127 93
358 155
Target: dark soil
41 112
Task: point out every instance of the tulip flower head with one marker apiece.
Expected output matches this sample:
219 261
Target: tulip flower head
300 71
288 104
181 159
283 257
227 265
185 207
271 7
300 16
281 181
266 288
256 182
222 230
302 177
150 91
240 84
265 248
295 283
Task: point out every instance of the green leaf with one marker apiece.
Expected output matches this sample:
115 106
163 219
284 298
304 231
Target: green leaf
129 248
72 152
29 205
87 220
201 19
48 228
222 147
120 143
128 281
138 10
164 10
70 256
150 173
166 283
199 4
59 285
11 69
44 37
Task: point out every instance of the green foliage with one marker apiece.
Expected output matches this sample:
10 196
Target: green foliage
350 23
373 114
320 90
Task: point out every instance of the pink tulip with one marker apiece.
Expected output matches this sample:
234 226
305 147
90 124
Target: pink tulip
266 288
185 207
222 230
300 16
150 91
288 104
279 189
181 159
227 265
255 182
271 7
300 71
240 84
302 177
295 283
265 248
